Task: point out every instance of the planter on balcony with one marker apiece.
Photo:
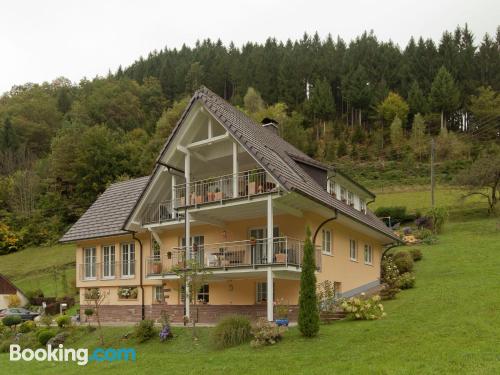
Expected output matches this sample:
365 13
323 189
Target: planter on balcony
218 196
252 188
280 258
156 268
210 196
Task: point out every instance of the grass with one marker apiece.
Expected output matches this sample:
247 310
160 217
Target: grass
30 268
448 324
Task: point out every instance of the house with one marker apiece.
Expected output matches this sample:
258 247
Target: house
7 290
235 197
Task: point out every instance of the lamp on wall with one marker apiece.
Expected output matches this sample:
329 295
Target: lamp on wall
230 286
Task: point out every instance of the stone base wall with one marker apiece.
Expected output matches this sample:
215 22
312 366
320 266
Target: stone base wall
202 313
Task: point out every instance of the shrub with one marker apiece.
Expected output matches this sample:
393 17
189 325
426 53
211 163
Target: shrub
308 305
11 321
5 345
88 312
46 320
363 308
426 236
266 333
63 321
416 254
404 261
36 293
439 216
44 336
58 339
166 331
231 331
9 241
406 280
27 326
3 329
390 277
396 213
326 296
144 330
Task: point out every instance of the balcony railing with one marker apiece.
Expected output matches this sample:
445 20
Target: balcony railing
222 188
225 255
160 212
106 270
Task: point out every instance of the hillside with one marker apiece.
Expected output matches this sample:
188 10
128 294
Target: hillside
447 324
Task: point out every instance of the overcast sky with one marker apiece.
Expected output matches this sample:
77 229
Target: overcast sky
42 40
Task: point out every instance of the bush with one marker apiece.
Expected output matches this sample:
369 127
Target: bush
397 214
144 330
46 320
232 331
58 339
407 280
404 261
3 329
308 320
266 333
5 345
44 336
11 321
363 308
390 277
439 216
426 236
416 254
13 300
63 321
88 312
36 293
27 326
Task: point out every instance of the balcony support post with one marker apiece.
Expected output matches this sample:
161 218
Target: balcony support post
270 297
270 229
235 170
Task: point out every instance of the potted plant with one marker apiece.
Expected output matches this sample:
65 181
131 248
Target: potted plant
280 258
156 267
253 241
217 194
281 311
252 182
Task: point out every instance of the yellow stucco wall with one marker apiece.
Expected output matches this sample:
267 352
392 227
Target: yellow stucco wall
240 291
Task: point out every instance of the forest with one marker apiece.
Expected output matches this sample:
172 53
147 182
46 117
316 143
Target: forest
366 103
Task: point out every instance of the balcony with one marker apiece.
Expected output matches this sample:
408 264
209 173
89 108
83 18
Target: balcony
106 271
160 212
224 188
231 255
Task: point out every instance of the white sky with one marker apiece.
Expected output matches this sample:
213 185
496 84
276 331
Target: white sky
42 40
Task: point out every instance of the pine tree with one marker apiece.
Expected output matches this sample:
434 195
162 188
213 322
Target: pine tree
418 141
397 136
308 306
416 99
444 96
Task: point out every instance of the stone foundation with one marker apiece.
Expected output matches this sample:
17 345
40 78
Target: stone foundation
202 313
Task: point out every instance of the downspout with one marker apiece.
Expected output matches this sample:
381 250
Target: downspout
323 223
143 313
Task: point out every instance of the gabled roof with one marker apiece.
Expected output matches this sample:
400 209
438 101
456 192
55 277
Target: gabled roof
276 155
7 286
107 215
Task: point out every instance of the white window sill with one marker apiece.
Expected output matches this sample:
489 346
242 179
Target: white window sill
109 277
327 254
90 279
354 260
369 264
127 277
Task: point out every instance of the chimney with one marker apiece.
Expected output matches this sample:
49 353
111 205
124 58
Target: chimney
271 125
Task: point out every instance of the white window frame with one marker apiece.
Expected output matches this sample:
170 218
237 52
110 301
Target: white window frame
89 263
343 194
331 187
368 254
155 249
261 292
350 198
353 250
362 205
326 244
108 261
158 294
128 260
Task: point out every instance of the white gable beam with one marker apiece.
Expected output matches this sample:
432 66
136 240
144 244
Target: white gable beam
156 237
208 141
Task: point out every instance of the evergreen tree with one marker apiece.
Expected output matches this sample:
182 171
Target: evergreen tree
444 96
417 100
321 104
308 307
418 140
397 136
253 101
393 106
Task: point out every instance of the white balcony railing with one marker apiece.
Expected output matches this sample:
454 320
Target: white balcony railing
160 212
226 255
222 188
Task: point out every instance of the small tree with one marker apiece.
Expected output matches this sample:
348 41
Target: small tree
483 178
418 140
444 96
308 304
193 275
97 297
397 136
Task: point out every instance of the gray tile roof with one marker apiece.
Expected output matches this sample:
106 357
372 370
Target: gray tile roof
108 213
277 156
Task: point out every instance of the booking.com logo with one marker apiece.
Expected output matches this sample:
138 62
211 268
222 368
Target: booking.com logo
80 356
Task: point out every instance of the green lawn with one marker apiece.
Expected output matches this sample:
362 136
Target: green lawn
448 324
30 268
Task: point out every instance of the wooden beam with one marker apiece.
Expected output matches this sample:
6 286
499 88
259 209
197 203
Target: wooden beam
208 141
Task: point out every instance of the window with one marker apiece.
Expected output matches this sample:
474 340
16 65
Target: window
343 194
108 258
327 241
350 198
128 259
368 254
261 292
362 205
331 187
89 262
202 296
155 249
158 293
197 242
353 249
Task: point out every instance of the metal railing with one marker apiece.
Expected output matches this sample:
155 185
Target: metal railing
286 251
160 212
106 270
222 188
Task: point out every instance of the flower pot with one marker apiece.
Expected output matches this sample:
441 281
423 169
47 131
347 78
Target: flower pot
210 196
218 196
252 188
282 322
199 199
156 268
280 258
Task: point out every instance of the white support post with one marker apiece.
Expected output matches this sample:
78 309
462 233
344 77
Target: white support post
209 128
270 243
235 170
187 176
270 297
173 195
